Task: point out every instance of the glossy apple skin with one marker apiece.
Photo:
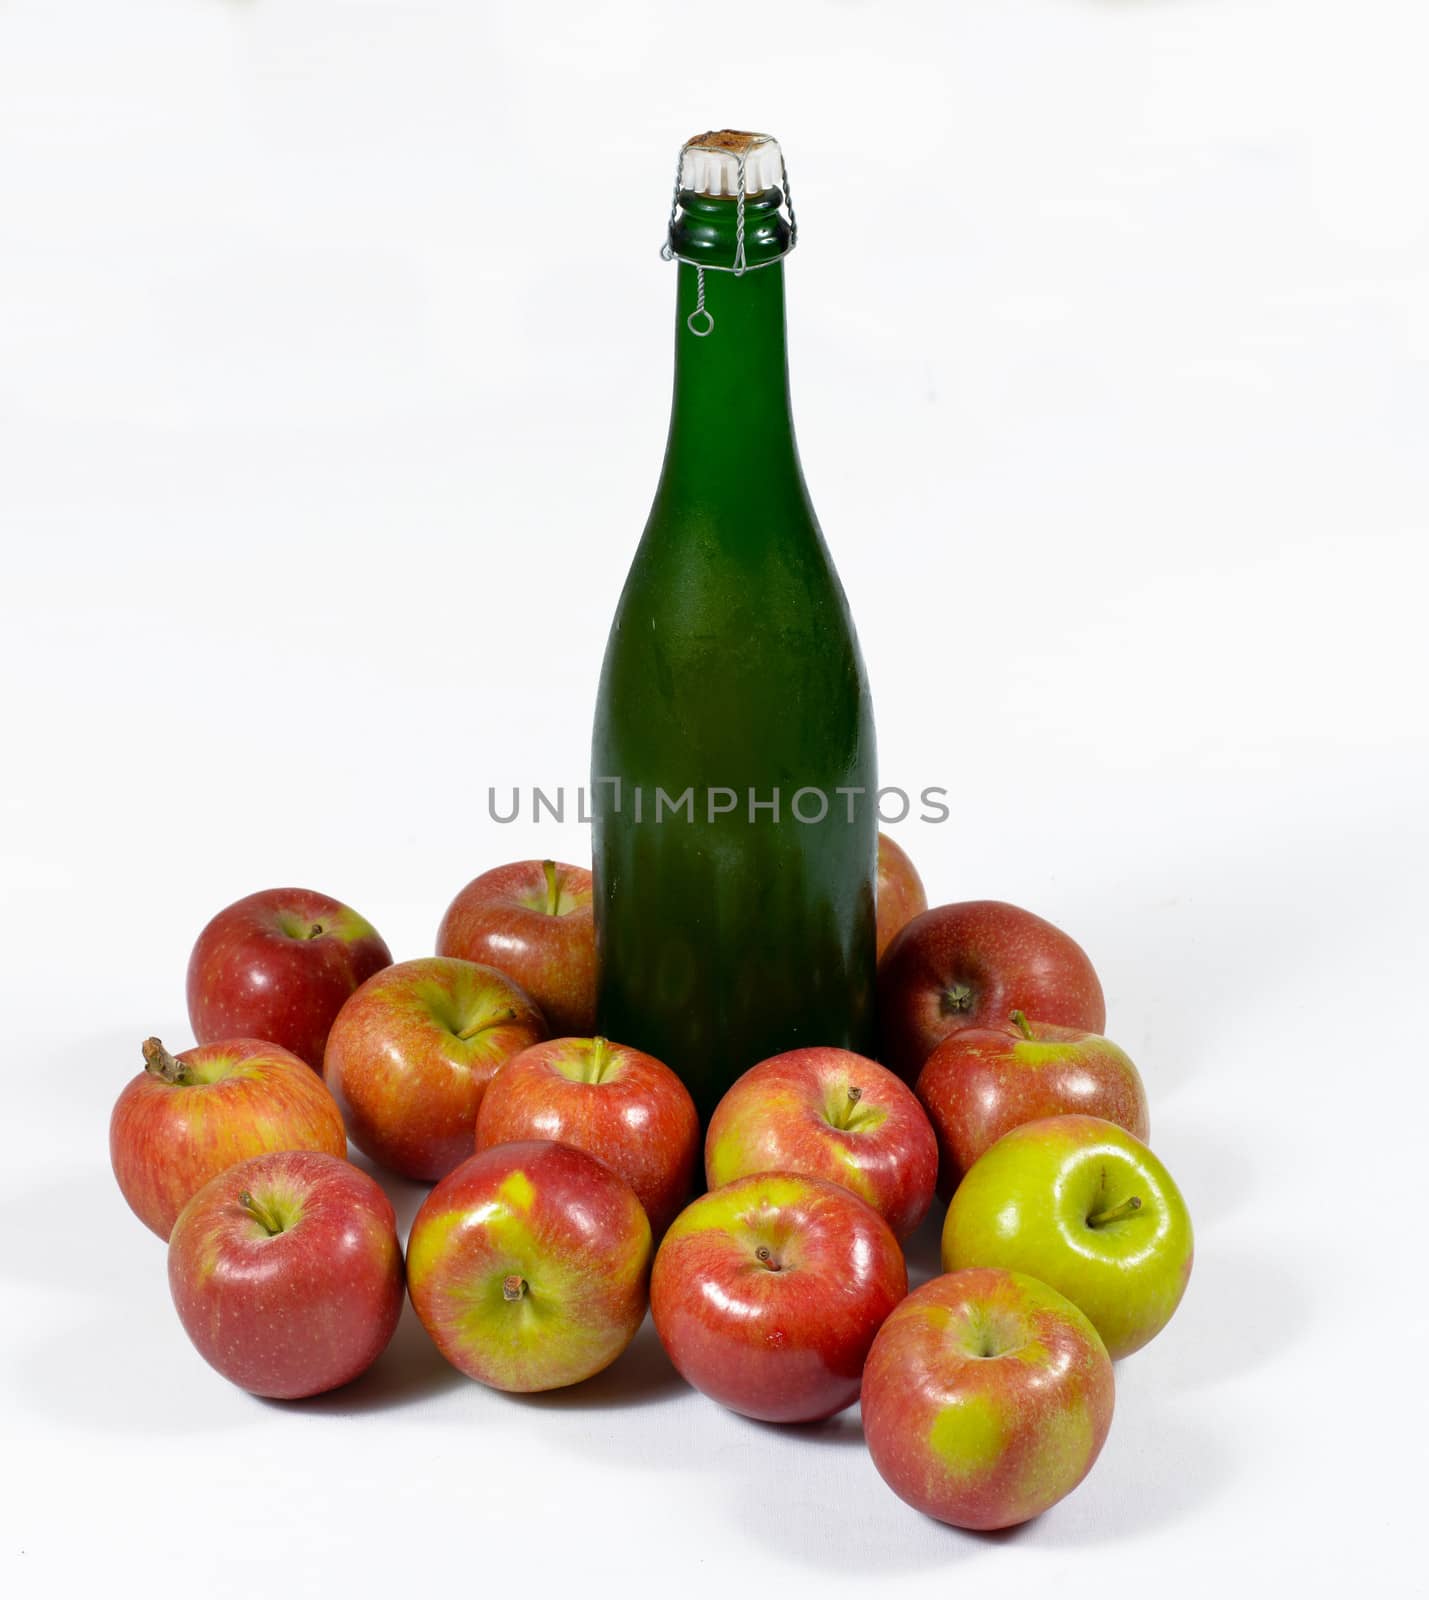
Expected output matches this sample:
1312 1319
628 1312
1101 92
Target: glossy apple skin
971 965
237 1098
987 1397
831 1114
529 1264
296 1312
1026 1205
260 971
901 895
981 1083
767 1294
619 1105
505 919
411 1055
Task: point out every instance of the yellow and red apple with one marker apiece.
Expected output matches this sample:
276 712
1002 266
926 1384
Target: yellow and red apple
971 965
987 1396
186 1118
534 921
287 1274
831 1114
767 1294
529 1264
901 895
277 965
980 1083
411 1054
619 1105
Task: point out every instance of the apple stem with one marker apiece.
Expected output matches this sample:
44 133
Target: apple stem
764 1255
315 932
599 1048
1019 1019
163 1065
553 888
471 1031
513 1287
841 1117
259 1211
1099 1219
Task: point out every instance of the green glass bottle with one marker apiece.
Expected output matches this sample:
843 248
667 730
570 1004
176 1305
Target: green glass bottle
733 765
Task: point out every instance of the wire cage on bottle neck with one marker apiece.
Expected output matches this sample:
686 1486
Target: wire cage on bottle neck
717 151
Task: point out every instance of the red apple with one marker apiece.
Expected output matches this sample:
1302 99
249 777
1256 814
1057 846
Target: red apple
528 1266
767 1294
278 965
971 965
623 1107
534 921
186 1118
411 1054
982 1082
901 895
829 1114
986 1398
287 1274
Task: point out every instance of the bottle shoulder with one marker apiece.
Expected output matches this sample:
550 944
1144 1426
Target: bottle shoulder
746 585
772 641
724 536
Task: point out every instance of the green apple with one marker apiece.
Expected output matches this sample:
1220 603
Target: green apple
1083 1205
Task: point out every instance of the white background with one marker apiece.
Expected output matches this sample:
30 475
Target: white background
334 365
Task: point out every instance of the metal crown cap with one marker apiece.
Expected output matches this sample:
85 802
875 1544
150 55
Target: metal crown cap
710 162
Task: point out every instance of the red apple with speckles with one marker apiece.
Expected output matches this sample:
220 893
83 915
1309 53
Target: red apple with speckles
830 1114
971 965
987 1397
286 1273
534 921
278 965
901 895
528 1266
186 1118
982 1082
767 1294
412 1053
619 1105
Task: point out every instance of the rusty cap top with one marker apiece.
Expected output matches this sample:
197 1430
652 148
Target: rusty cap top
710 164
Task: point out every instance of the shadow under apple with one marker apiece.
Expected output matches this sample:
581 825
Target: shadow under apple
405 1194
1159 1468
641 1376
841 1430
922 1250
1273 1311
411 1369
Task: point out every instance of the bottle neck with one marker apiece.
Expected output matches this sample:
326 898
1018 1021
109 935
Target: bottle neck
731 400
731 418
